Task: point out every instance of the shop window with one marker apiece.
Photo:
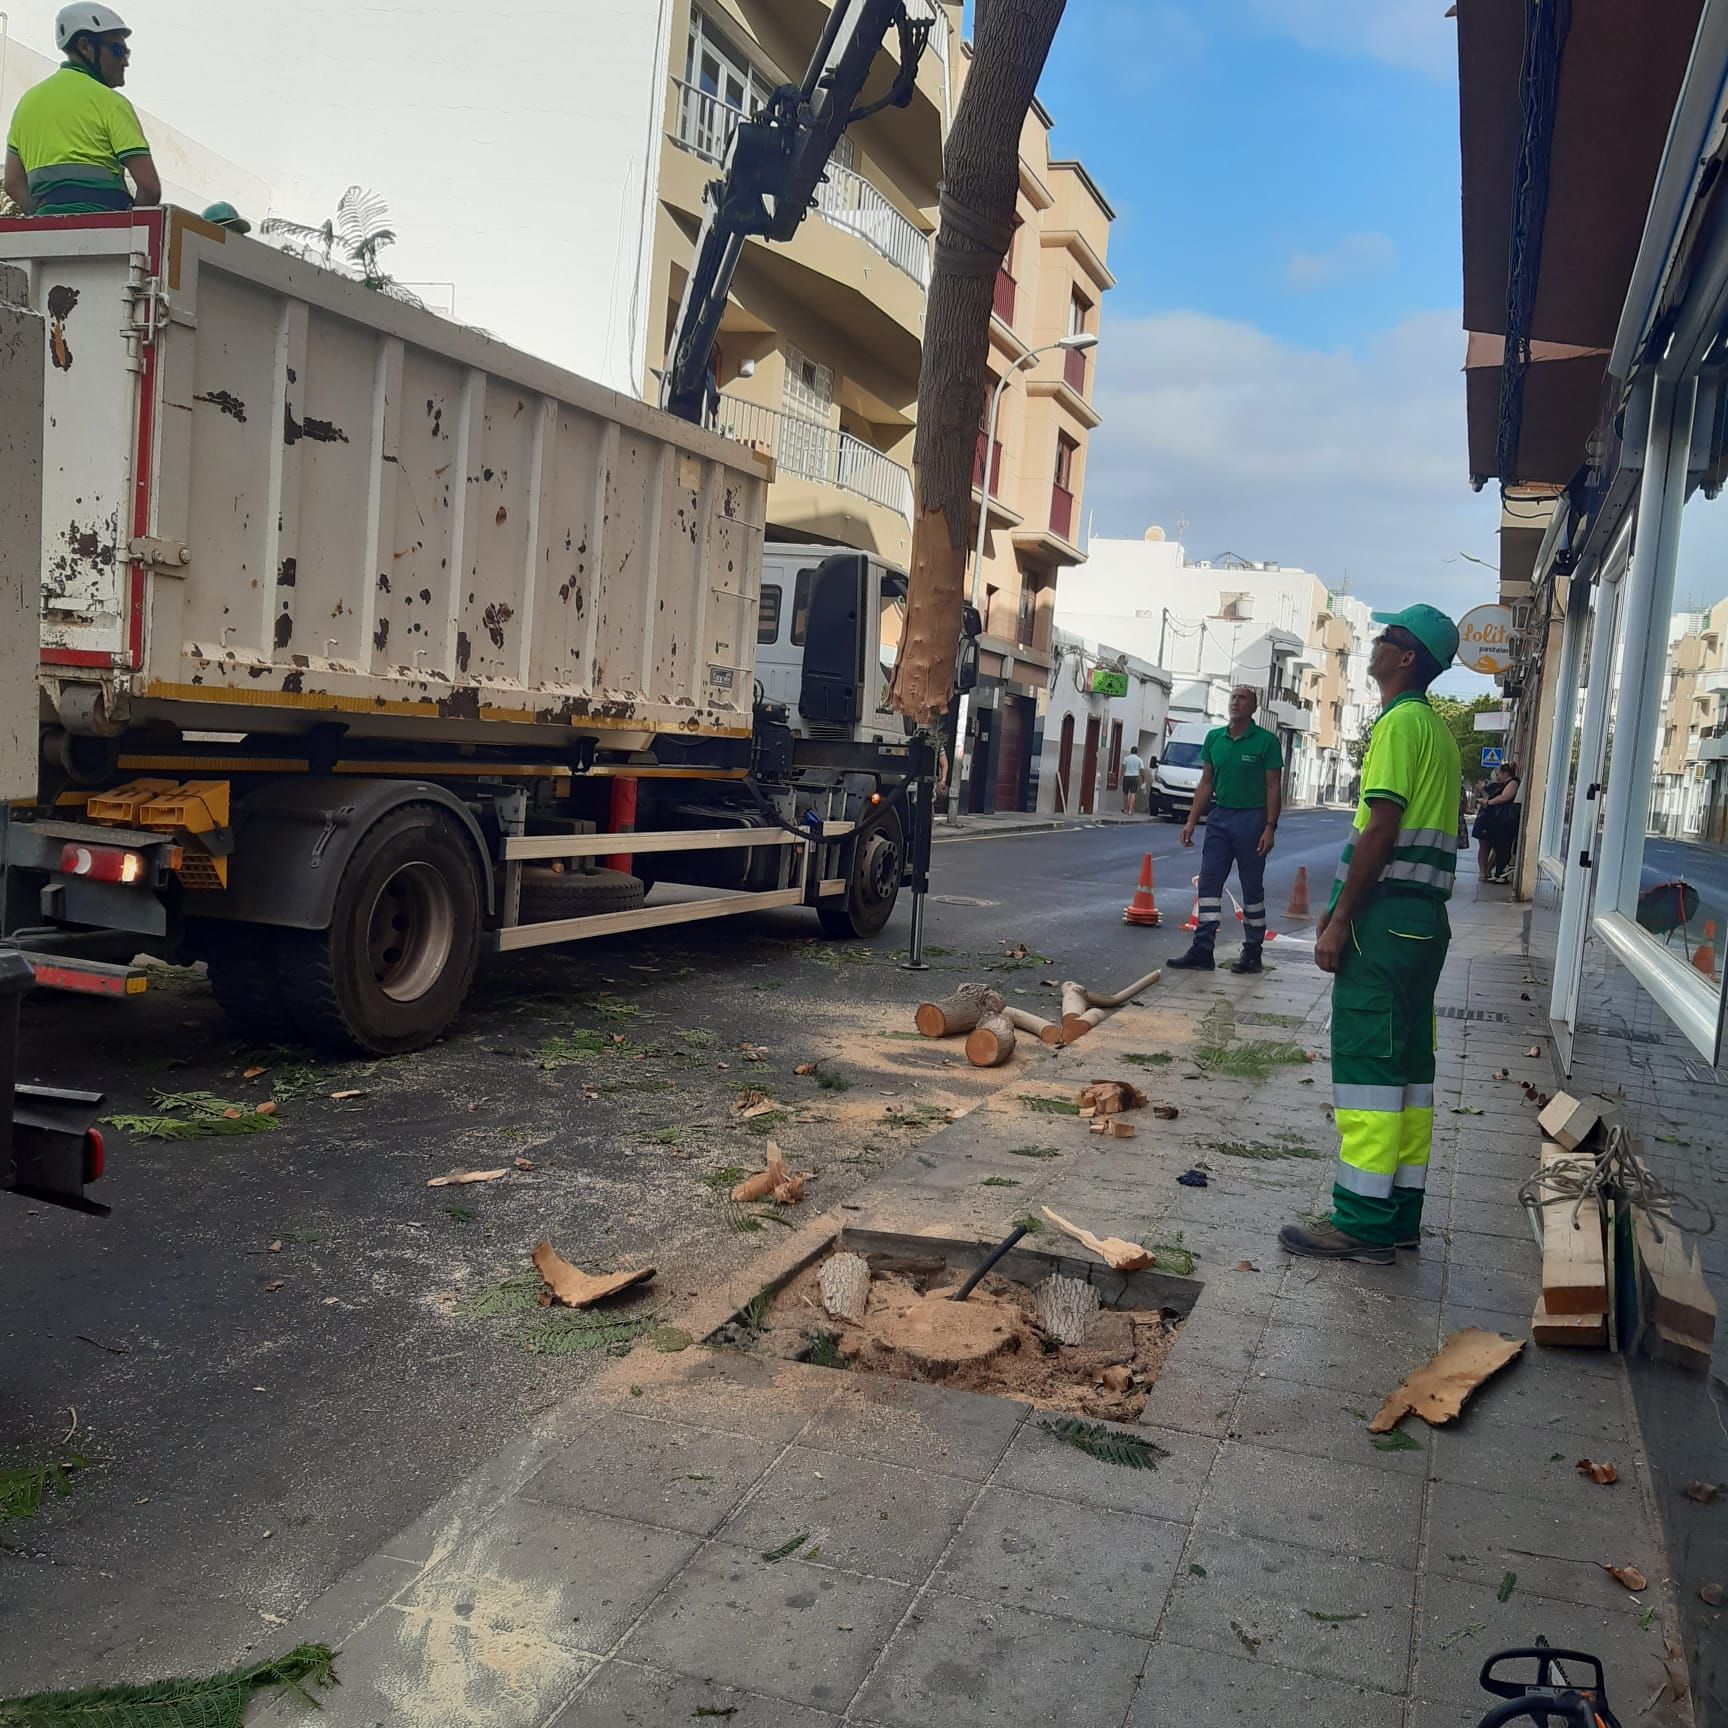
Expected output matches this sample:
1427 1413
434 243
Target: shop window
1681 884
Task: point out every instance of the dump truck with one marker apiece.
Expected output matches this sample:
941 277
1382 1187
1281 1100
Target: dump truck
369 645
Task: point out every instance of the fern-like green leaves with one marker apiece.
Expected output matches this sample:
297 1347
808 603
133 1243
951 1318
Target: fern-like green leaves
1109 1445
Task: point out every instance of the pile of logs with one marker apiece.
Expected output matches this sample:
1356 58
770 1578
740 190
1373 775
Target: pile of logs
991 1025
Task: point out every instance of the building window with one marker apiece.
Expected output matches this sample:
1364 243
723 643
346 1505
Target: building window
721 87
801 605
1066 450
1027 620
768 614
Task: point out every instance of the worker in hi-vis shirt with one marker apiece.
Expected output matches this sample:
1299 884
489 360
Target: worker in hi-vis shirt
75 139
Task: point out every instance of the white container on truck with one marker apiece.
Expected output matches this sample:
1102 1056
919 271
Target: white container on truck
363 638
1177 776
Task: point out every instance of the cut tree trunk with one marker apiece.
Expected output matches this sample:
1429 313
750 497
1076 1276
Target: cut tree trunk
1066 1307
959 1012
1046 1031
980 185
845 1281
1076 1026
991 1043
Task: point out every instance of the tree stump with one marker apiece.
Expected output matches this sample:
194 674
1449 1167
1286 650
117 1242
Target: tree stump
959 1012
940 1335
991 1042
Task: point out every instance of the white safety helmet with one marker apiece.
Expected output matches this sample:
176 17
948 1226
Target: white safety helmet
85 18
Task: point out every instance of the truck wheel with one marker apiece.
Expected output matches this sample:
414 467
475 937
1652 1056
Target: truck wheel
548 895
877 860
392 969
246 982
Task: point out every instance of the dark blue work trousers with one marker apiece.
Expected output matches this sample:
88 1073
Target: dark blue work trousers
1232 837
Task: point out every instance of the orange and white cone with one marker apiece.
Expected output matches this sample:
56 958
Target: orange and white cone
1297 911
1143 909
1704 955
1193 922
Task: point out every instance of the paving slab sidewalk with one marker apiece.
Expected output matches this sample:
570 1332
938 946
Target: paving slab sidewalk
635 1560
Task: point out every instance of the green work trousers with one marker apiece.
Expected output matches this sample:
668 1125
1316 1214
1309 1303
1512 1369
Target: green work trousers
1383 1063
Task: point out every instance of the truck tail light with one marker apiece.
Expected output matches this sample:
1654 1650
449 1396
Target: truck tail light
102 863
95 1155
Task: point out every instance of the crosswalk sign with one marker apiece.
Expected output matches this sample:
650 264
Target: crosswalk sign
1493 756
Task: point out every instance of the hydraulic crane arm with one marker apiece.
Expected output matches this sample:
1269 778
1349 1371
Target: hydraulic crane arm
774 162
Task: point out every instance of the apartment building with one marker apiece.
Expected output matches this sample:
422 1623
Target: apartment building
1030 480
1215 623
819 348
1689 785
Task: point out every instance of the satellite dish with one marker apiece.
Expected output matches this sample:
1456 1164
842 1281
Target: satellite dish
1154 533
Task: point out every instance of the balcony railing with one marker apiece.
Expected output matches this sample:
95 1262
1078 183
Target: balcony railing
813 450
995 466
1003 304
846 200
1074 370
1062 513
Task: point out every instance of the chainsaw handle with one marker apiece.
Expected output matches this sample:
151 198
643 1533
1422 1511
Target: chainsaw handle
1547 1711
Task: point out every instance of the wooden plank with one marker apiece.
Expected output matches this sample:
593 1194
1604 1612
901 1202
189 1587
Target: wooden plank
1574 1264
1677 1298
1577 1330
1569 1121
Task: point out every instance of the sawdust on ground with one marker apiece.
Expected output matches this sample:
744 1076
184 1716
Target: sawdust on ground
1019 1362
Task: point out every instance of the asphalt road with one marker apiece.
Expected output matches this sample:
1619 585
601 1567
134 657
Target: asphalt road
266 1352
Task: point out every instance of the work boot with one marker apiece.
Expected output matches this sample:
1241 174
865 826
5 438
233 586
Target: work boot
1248 960
1197 959
1327 1242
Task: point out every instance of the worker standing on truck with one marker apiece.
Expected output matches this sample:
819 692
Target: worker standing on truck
1384 938
75 139
1242 784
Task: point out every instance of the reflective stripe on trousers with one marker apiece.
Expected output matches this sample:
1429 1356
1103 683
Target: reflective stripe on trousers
1383 1064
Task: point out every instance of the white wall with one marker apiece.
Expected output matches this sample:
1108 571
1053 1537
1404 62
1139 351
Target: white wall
518 150
1142 712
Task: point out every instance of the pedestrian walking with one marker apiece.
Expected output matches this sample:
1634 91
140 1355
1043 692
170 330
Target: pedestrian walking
1241 796
1133 771
1384 938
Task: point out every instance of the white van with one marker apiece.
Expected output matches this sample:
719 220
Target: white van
1177 776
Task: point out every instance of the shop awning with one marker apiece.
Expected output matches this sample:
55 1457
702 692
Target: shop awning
1577 189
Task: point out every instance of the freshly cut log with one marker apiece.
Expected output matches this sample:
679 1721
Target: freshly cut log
1066 1307
1076 1026
1074 999
845 1281
1121 998
959 1012
1120 1255
991 1042
1046 1031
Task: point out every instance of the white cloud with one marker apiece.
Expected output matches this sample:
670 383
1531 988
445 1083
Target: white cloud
1349 462
1354 256
1412 33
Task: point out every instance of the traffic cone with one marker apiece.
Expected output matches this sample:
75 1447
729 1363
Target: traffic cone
1144 908
1704 955
1297 911
1194 916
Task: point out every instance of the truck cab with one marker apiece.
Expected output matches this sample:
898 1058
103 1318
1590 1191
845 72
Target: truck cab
1177 776
829 624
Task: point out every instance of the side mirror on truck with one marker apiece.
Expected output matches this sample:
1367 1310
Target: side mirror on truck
966 664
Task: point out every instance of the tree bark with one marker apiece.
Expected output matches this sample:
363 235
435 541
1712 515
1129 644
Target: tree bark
981 179
992 1043
959 1012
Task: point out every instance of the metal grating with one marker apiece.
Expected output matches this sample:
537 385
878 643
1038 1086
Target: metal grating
1469 1014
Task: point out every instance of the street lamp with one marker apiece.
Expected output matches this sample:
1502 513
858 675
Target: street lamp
1077 343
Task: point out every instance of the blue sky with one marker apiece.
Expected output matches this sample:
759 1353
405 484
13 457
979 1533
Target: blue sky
1281 359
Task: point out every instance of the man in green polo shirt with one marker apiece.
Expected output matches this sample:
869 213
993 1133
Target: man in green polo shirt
74 137
1384 938
1241 785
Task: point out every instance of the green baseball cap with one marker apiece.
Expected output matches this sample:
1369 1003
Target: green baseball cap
224 215
1430 626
